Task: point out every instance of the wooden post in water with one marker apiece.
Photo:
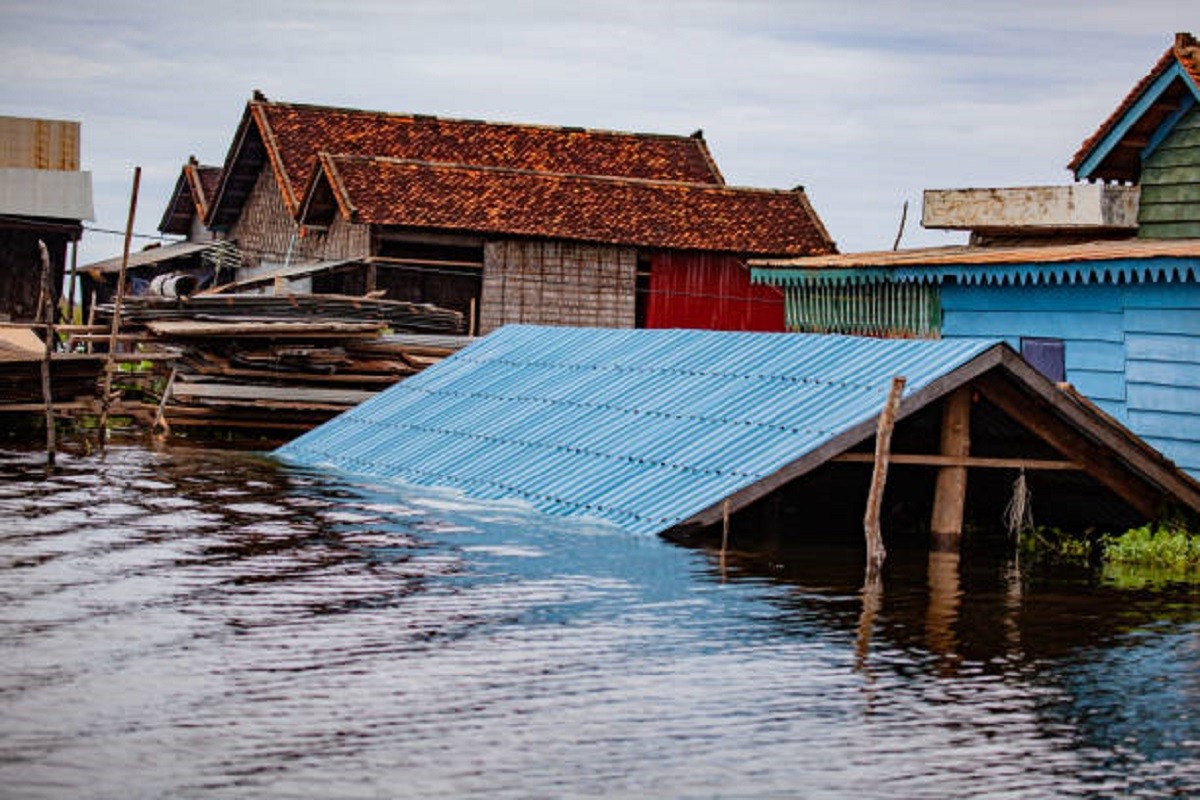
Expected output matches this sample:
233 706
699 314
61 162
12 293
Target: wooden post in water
950 495
46 305
110 362
72 283
876 552
724 534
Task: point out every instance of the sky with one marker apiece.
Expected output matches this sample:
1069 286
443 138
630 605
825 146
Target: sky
865 104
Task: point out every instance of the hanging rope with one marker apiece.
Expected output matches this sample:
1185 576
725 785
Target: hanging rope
1018 515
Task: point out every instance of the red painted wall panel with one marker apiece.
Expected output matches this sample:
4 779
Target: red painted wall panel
713 292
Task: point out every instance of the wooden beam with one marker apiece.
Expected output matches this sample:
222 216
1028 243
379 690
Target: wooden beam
972 462
950 494
1098 461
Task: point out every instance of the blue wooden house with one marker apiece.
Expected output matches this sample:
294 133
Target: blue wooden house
1110 306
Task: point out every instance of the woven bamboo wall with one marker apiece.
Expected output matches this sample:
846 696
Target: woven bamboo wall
558 283
265 229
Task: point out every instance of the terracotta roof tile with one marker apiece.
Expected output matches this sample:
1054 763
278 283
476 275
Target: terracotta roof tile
194 192
1186 52
666 214
295 133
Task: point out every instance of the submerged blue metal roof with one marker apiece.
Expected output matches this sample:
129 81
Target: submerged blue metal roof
643 428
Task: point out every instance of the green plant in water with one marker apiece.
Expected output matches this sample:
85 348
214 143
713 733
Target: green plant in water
1054 544
1165 544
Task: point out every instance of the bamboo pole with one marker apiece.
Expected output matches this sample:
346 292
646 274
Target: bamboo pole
876 552
110 364
46 304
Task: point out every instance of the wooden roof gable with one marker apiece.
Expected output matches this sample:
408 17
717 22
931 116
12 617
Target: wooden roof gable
193 194
610 210
1144 118
290 135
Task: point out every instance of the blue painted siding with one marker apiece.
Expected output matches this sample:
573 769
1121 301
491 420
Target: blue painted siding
1134 349
1088 318
1162 337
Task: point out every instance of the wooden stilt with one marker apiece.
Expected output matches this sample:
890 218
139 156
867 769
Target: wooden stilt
110 363
46 305
724 534
950 495
71 284
876 552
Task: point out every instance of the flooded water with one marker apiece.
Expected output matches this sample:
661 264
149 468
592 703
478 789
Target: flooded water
202 624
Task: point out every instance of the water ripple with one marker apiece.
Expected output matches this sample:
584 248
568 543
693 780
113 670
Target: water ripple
181 624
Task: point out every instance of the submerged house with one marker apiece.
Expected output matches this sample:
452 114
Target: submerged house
673 430
504 222
43 196
1096 284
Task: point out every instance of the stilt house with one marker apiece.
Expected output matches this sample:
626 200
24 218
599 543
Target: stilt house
43 195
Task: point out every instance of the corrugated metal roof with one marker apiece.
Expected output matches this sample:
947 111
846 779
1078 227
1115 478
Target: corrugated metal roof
151 255
643 428
1143 260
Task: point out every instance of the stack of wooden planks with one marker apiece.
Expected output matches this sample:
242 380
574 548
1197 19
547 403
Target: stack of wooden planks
276 366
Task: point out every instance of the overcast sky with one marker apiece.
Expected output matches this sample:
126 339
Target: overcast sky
863 103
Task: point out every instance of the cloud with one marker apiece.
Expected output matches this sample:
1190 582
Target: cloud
866 103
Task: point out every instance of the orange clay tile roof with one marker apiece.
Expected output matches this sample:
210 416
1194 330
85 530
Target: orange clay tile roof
1186 51
295 133
194 192
666 214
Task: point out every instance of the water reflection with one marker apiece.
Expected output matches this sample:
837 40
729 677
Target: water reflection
183 623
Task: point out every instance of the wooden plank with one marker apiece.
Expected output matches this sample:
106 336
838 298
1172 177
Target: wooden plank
1166 373
973 462
1162 347
1025 299
229 391
1178 399
950 493
1099 385
1062 324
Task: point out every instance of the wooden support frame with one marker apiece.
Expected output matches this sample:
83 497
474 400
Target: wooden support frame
972 462
1100 462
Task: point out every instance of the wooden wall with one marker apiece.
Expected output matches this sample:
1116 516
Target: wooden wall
264 231
1170 183
39 143
1134 349
558 283
20 265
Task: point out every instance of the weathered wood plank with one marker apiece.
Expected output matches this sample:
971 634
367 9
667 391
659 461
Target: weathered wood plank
973 462
950 493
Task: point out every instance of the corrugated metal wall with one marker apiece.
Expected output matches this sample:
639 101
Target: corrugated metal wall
1170 182
712 292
